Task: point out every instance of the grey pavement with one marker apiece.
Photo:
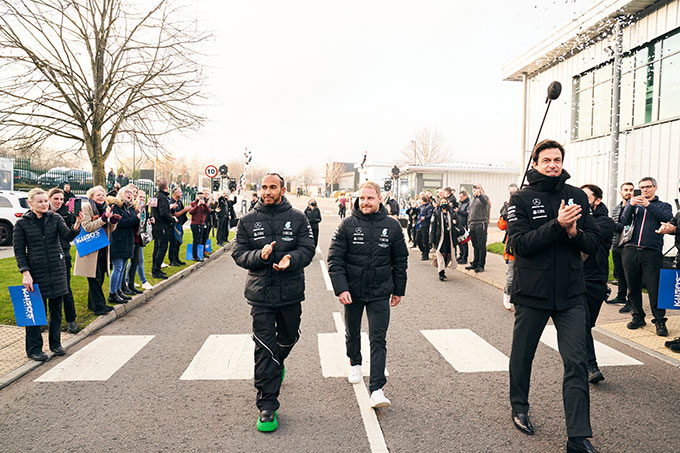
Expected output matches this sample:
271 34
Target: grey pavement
144 406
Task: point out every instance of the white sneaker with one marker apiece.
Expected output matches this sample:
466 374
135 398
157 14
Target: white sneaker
354 376
506 302
137 284
147 285
163 265
378 399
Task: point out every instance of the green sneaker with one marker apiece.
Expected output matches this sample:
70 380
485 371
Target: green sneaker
283 375
267 421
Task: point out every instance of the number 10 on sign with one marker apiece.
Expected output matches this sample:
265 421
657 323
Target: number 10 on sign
211 171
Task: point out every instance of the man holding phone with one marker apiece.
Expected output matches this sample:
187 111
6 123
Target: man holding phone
642 255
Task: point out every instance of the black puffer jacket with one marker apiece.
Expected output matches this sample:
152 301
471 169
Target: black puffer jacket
368 256
39 251
548 265
596 267
313 215
123 237
290 229
70 219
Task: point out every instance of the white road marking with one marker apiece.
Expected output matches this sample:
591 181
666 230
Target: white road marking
99 360
327 211
332 352
466 351
318 250
326 277
606 356
222 357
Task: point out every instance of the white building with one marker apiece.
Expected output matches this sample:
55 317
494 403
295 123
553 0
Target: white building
584 56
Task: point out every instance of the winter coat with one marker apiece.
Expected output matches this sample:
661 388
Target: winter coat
647 221
616 216
463 212
548 269
368 256
479 210
164 220
199 213
266 287
70 220
39 251
86 266
676 222
392 207
439 235
123 238
313 215
424 211
596 266
452 201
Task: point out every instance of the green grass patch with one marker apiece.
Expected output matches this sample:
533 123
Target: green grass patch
10 276
495 247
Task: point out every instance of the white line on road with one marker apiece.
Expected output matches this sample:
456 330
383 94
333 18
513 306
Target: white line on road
606 356
326 277
327 211
222 357
99 360
318 250
374 433
466 351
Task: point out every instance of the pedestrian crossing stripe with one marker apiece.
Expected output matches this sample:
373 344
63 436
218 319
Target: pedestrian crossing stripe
606 356
222 357
333 356
99 360
466 351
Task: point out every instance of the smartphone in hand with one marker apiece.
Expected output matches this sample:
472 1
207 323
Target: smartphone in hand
77 206
637 192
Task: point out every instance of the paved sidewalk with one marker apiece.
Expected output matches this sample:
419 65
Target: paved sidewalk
610 322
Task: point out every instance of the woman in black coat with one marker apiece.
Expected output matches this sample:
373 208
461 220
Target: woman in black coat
41 259
122 241
313 214
442 236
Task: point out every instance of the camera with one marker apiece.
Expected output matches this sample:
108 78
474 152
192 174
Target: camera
637 192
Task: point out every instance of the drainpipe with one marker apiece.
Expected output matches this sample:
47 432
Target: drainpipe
616 116
524 121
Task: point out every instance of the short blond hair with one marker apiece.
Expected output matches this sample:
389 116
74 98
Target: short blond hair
36 191
95 189
371 185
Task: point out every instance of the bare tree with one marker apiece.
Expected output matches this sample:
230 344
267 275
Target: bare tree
97 73
428 146
307 177
334 171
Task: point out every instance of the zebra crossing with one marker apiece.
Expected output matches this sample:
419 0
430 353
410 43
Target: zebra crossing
230 357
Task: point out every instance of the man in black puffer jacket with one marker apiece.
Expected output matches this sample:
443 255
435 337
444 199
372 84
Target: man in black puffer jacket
596 272
275 243
549 227
367 264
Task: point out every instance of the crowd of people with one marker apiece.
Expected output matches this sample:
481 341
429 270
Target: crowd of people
131 221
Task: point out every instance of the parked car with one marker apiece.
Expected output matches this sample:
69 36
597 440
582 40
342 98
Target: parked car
22 176
58 176
13 204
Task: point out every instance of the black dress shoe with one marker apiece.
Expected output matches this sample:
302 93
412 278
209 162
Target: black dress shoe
595 375
626 308
479 269
114 298
616 300
661 329
123 296
522 422
38 356
470 267
442 276
636 324
127 291
181 263
59 351
72 327
159 276
580 446
135 290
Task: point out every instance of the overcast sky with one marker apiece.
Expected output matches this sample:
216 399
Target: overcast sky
304 82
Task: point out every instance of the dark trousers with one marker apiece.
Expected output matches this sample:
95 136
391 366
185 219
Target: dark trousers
69 303
463 252
275 332
161 239
197 231
315 232
96 301
478 233
34 341
173 253
223 230
378 313
596 294
423 241
619 274
642 267
132 267
410 230
571 339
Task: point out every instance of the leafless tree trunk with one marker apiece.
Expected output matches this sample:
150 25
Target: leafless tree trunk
97 73
334 171
428 146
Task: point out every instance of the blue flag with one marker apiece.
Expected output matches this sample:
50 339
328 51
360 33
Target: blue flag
29 309
208 247
669 289
87 243
190 254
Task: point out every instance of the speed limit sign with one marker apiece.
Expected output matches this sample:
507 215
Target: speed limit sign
211 171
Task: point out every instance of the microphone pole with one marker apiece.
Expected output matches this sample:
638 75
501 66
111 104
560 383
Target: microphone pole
554 91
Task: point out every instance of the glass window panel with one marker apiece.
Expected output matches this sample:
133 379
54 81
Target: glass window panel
576 84
574 115
627 63
5 203
652 109
669 96
671 44
642 57
626 99
585 114
640 95
602 104
604 73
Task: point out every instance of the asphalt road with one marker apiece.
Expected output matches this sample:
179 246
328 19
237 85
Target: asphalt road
145 406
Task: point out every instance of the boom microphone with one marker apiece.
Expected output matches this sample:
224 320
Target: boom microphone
554 91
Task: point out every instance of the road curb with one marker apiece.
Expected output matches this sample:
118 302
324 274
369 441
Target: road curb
119 311
481 276
638 346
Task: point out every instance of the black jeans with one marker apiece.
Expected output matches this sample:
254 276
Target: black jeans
642 267
619 274
315 232
596 294
69 303
423 241
173 254
275 332
223 230
463 252
96 301
197 231
478 233
378 313
34 341
161 239
571 340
